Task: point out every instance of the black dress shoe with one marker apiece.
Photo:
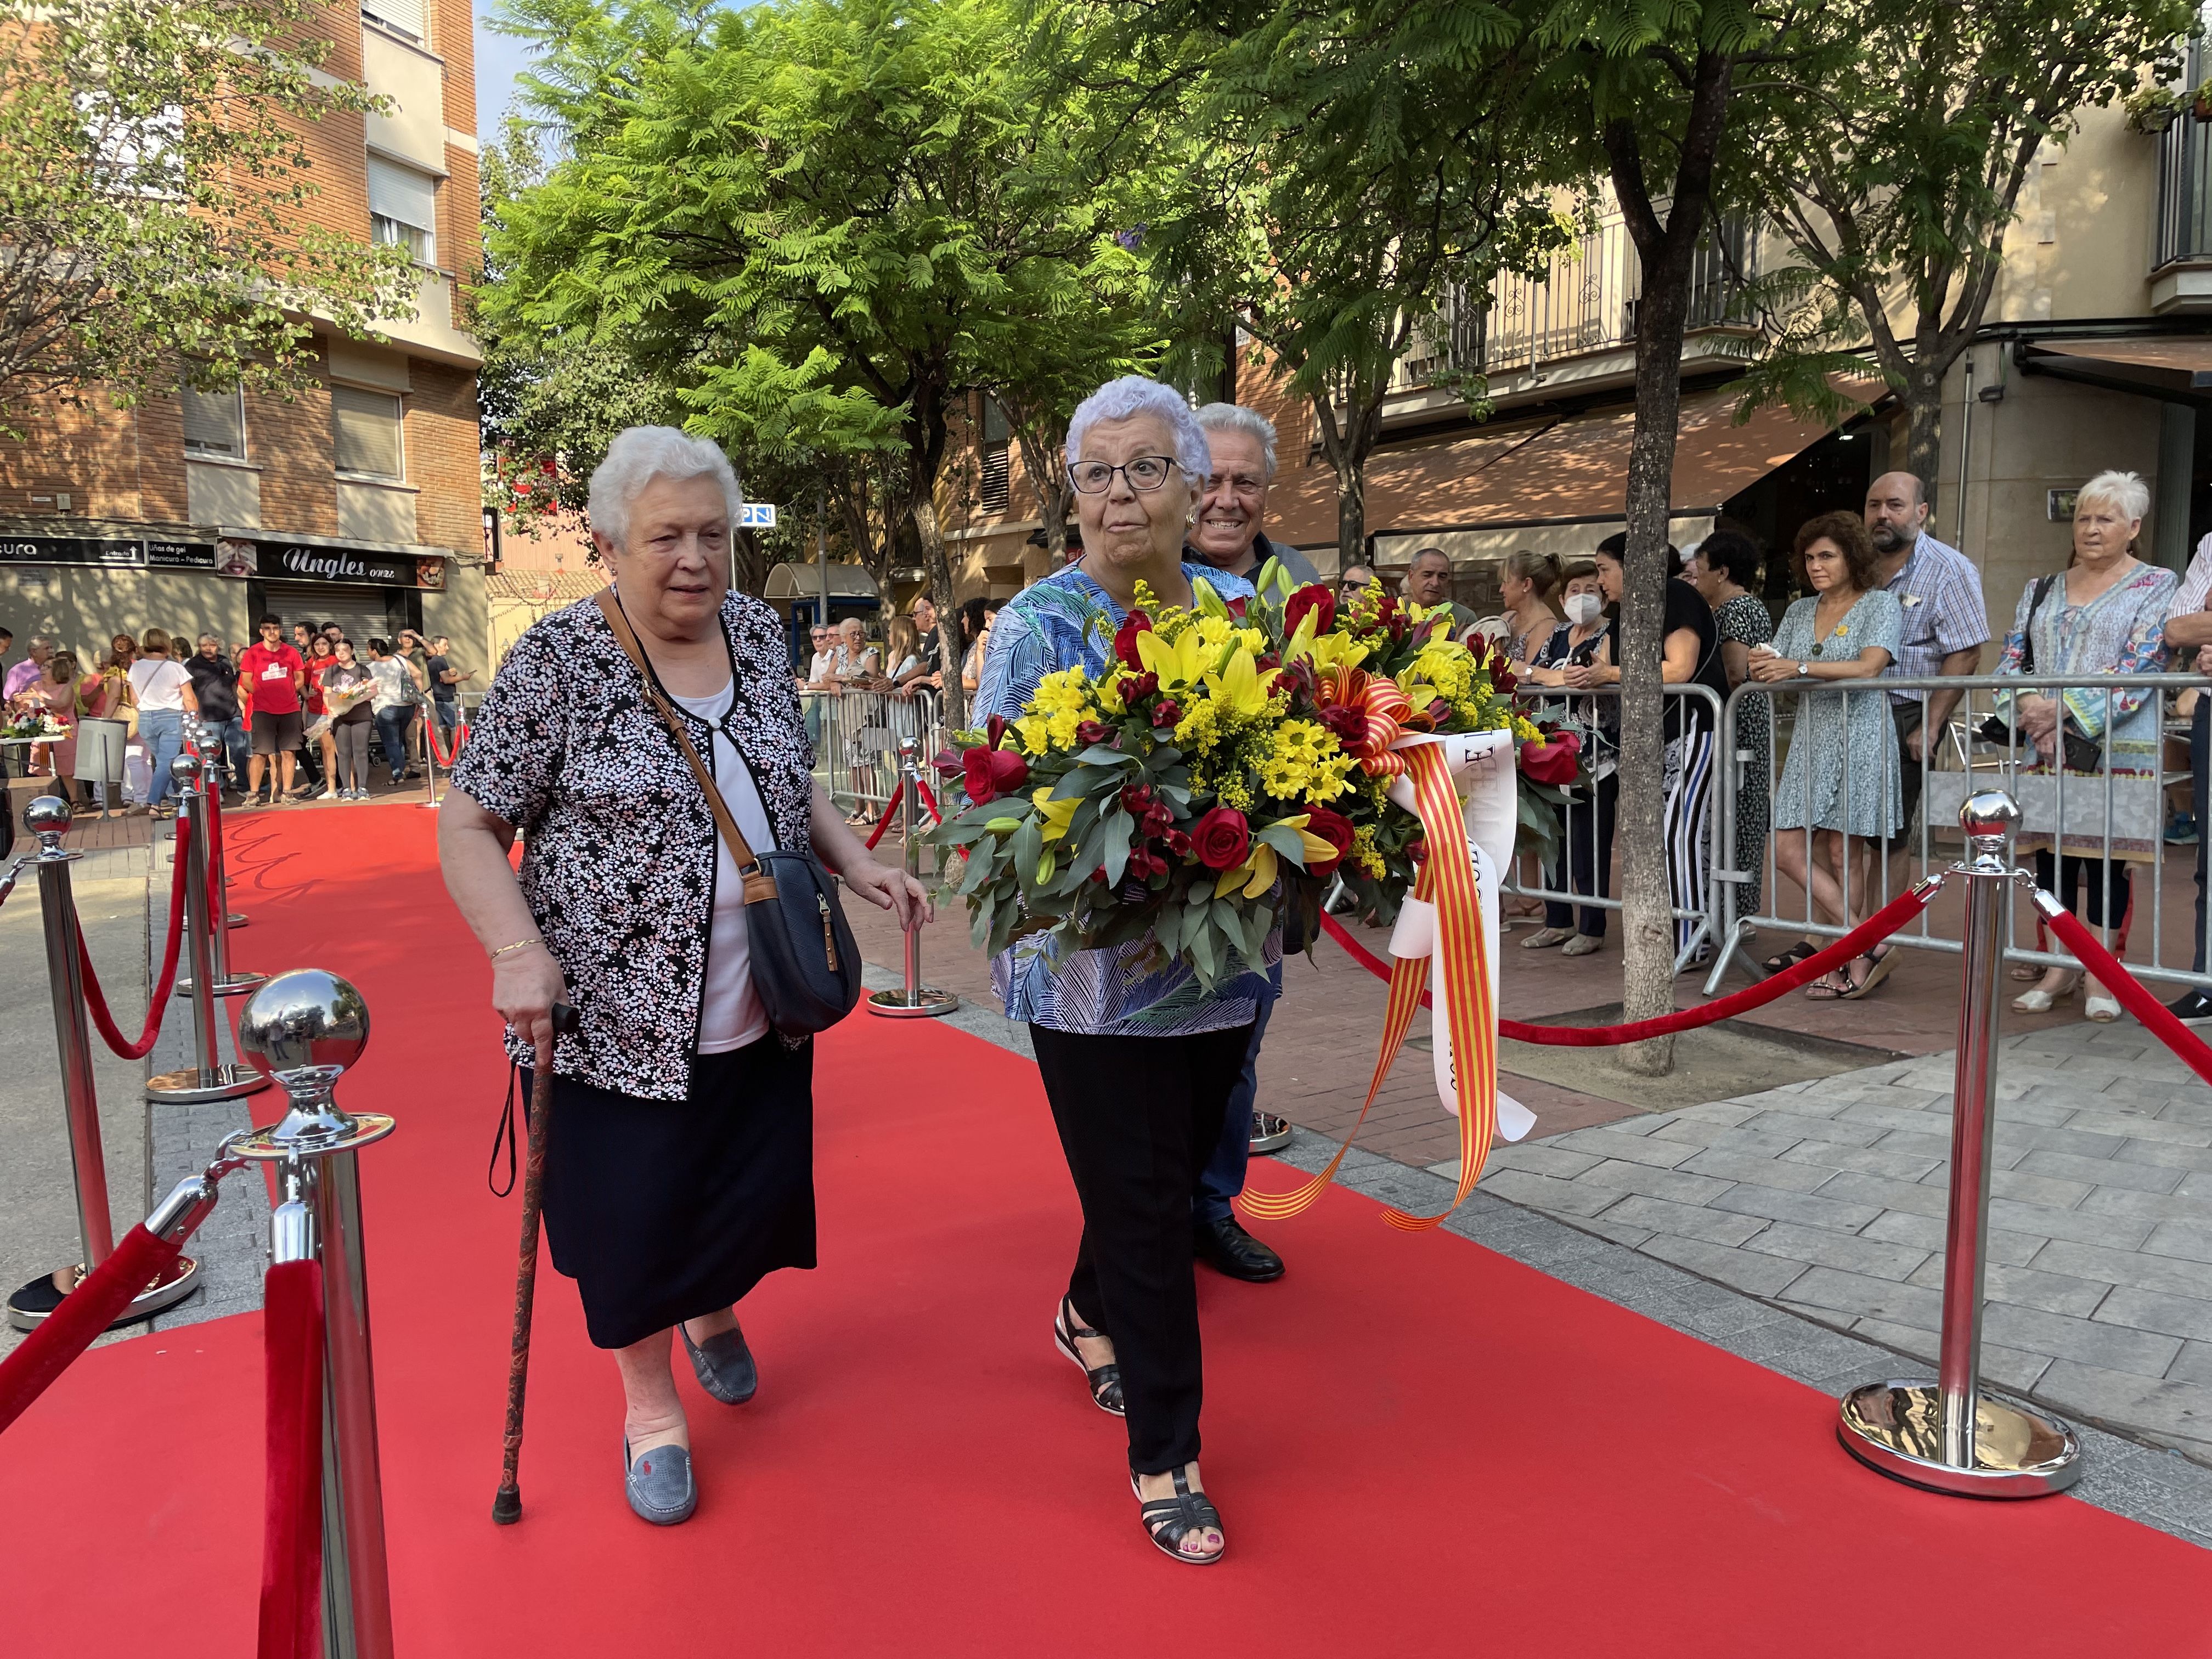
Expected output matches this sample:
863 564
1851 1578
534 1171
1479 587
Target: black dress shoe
2192 1005
1226 1248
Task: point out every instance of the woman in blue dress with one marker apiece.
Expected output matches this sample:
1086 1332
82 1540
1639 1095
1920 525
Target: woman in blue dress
1839 785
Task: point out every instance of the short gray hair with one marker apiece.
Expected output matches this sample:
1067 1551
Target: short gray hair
1235 417
639 455
1131 395
2124 490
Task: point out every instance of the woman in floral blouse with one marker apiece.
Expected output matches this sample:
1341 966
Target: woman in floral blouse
679 1164
2104 614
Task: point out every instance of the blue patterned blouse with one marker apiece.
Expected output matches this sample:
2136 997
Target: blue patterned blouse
1063 621
2121 631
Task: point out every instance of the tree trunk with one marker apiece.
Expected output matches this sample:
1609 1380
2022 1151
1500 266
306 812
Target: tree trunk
1351 514
940 569
1923 432
748 564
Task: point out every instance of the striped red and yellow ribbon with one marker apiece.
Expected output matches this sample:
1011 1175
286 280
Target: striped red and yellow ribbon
1446 880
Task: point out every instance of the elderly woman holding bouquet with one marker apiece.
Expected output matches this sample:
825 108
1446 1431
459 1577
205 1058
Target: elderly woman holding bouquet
1138 1057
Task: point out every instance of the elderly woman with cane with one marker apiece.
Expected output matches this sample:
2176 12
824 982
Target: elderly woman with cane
646 740
1138 1062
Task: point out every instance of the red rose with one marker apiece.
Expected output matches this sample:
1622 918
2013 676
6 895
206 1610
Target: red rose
1312 597
1554 762
991 772
1237 609
1222 839
1125 638
1093 732
1347 720
1334 827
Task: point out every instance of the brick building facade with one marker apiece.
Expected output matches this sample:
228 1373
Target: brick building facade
359 499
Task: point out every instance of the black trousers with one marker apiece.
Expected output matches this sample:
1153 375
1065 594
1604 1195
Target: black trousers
2108 886
2200 773
1137 1117
1585 861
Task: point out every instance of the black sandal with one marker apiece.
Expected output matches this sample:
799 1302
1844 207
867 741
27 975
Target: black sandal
1784 961
1171 1520
1105 1381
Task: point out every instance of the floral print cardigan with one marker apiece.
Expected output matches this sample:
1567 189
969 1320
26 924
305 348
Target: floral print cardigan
618 855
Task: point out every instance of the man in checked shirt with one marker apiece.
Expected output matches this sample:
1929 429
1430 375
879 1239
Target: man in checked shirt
2188 633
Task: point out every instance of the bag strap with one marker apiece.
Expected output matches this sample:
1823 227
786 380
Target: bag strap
2027 634
759 884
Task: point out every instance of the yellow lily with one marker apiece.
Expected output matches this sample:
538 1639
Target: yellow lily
1317 851
1240 689
1179 664
1053 815
1256 873
1328 650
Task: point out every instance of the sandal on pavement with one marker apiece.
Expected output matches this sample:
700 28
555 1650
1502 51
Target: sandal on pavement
2102 1006
1583 945
1547 939
1105 1381
1169 1521
2040 1002
1879 964
1783 961
1830 988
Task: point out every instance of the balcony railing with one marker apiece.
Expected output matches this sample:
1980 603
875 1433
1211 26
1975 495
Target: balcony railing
1583 304
2184 193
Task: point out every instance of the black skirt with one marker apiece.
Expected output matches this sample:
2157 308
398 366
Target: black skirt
664 1210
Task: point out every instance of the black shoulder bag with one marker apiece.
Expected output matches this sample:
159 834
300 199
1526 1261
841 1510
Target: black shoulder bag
2081 754
805 968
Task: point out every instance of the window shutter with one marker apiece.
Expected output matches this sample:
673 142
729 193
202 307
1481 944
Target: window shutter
215 424
368 431
402 194
405 15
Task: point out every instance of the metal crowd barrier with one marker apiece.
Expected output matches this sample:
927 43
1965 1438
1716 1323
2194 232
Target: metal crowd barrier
856 742
1556 885
2099 817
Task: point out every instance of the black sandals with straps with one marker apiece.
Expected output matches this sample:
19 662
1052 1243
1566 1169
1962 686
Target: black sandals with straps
1169 1521
1105 1381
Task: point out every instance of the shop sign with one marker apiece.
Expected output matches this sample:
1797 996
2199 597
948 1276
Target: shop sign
71 550
180 556
298 561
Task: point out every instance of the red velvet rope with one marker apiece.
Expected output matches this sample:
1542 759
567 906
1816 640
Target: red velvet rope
444 757
292 1534
85 1312
2112 973
96 1000
885 822
1877 927
936 812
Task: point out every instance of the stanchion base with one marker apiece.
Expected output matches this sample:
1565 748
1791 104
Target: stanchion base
1898 1428
192 1084
234 921
28 1307
925 1003
236 986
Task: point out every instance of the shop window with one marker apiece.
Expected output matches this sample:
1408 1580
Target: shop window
402 208
367 430
215 423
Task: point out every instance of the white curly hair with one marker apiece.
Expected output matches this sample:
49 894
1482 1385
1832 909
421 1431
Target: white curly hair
1134 394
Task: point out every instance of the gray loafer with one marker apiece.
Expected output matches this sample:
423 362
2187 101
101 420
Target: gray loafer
659 1485
723 1364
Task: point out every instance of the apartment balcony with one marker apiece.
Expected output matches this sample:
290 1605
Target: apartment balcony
1573 328
2181 263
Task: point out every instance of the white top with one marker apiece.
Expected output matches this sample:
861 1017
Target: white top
906 665
730 1014
159 683
391 676
824 662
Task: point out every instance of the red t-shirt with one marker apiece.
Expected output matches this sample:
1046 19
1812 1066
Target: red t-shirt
269 673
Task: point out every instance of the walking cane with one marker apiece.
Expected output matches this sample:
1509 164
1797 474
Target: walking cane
506 1502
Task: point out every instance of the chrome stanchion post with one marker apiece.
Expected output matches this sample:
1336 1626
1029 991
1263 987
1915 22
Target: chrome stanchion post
48 818
430 754
216 757
914 999
305 1029
1949 1437
210 1077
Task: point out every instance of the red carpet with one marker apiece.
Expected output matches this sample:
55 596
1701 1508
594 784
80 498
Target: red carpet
1415 1442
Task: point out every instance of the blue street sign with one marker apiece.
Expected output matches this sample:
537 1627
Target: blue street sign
757 515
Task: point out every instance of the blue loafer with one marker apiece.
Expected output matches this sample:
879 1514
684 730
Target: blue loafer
723 1364
659 1485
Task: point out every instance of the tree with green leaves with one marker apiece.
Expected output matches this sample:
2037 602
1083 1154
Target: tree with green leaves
153 189
1326 176
1894 184
822 223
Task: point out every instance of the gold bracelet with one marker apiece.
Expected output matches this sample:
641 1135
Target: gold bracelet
519 945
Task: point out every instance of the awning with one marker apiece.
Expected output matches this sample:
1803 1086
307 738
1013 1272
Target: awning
803 581
1568 469
2173 366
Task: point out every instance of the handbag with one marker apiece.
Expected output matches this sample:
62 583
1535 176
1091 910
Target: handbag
805 967
2078 752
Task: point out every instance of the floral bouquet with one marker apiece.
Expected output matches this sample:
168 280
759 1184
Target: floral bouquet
25 722
1232 756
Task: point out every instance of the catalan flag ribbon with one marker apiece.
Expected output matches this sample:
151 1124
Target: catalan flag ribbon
1443 943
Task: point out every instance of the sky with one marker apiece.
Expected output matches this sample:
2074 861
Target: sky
499 59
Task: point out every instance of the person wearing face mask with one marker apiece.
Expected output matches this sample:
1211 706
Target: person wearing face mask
1585 862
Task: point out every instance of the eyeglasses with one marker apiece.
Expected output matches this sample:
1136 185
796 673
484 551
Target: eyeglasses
1146 473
